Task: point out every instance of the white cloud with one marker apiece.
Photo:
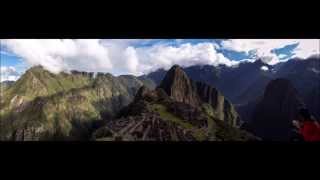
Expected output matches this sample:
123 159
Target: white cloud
262 48
114 56
123 56
264 68
8 73
132 61
184 55
307 48
58 55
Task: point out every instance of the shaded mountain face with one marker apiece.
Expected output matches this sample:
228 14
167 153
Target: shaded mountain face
45 106
178 110
235 82
312 100
156 76
272 116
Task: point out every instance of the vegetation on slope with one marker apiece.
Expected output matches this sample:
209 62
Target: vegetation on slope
42 105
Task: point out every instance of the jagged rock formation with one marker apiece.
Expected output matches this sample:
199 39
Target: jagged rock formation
223 109
179 87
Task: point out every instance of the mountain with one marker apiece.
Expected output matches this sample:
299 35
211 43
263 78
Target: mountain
45 106
272 116
312 100
235 82
177 110
241 77
37 82
245 83
156 76
177 85
305 77
193 103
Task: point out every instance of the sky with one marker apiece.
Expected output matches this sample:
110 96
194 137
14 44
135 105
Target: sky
142 56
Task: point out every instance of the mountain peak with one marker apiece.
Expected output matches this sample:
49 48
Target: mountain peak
176 70
36 68
259 61
177 85
176 66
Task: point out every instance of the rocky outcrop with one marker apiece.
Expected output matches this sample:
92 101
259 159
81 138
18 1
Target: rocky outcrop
182 89
273 115
178 86
223 109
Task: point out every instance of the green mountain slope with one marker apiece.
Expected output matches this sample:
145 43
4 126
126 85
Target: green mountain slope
45 106
38 82
153 116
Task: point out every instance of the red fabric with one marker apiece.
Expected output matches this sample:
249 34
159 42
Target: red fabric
310 131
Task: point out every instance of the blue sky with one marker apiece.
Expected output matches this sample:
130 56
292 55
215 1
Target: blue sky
144 55
287 50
